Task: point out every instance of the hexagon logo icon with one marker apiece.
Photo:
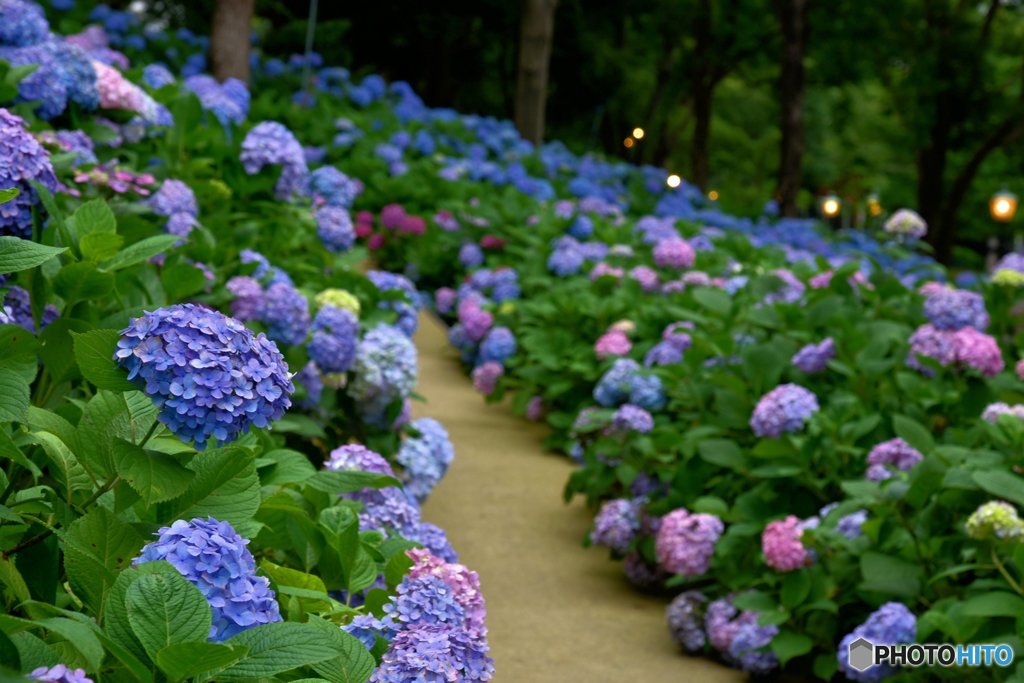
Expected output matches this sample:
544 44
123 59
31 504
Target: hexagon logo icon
862 654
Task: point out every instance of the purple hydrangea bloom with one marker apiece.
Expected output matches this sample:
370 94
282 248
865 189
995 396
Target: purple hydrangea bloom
444 300
425 600
498 345
631 418
385 369
894 454
686 541
407 309
333 343
157 76
176 200
210 377
749 647
931 342
270 143
686 619
367 628
329 186
616 524
356 457
790 291
486 376
786 408
850 525
59 674
954 309
79 144
435 540
22 159
434 653
641 574
18 305
309 379
22 23
563 262
890 624
228 101
674 252
471 255
213 557
815 357
334 228
248 301
286 312
425 458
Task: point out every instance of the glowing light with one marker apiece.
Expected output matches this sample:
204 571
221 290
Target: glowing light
713 195
628 143
638 133
874 206
673 181
1003 206
831 205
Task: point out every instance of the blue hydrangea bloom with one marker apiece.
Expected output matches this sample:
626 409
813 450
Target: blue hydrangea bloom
563 262
176 200
213 557
749 648
309 379
815 357
334 228
286 312
385 369
499 345
264 272
333 344
615 385
954 309
59 673
157 76
425 457
426 600
22 23
45 85
890 624
209 375
581 228
471 255
434 539
327 185
270 143
367 628
434 654
786 408
18 305
228 101
408 310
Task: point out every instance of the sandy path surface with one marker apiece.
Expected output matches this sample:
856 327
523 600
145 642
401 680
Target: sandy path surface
557 612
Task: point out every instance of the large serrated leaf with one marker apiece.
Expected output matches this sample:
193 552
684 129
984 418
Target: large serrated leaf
187 660
94 352
97 547
17 254
143 250
165 609
94 216
225 486
282 646
66 468
154 476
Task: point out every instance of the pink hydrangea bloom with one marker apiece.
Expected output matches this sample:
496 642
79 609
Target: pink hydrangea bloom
979 351
612 343
686 541
674 252
465 585
781 545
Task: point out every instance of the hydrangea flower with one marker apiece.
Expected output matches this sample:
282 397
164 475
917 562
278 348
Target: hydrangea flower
993 411
157 76
176 200
612 343
213 557
642 574
434 653
498 345
339 298
686 541
890 624
907 223
786 408
997 519
894 454
685 617
22 23
58 673
286 312
385 369
22 159
979 351
329 186
475 321
367 628
356 457
953 309
333 343
624 383
271 144
781 545
465 586
248 297
749 647
790 291
631 418
407 309
425 600
227 101
425 458
309 379
815 357
117 92
616 524
674 252
486 376
334 228
210 377
435 540
18 309
471 255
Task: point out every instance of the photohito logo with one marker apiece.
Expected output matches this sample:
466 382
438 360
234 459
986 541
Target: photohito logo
864 654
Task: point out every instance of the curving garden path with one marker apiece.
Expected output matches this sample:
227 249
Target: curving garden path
557 612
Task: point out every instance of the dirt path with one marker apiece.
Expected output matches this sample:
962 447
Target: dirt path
557 612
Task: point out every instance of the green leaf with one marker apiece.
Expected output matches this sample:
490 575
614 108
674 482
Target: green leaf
795 588
14 395
10 451
349 481
17 254
9 194
913 432
354 663
97 547
713 300
187 660
182 281
787 645
56 351
994 604
94 352
165 609
93 217
1002 484
15 582
100 246
722 452
888 574
82 282
80 636
283 646
290 467
143 250
66 468
225 486
154 476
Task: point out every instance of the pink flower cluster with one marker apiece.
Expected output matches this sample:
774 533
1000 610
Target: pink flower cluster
823 280
464 583
486 376
781 545
394 222
110 176
475 321
966 347
117 92
674 252
686 541
614 342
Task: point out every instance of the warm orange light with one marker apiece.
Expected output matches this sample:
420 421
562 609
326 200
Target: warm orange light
874 206
673 181
628 143
1003 206
638 133
831 205
713 195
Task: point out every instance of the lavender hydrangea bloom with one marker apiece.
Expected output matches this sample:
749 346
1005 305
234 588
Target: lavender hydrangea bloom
954 309
18 305
894 454
385 368
22 23
786 408
471 255
22 159
434 653
213 557
498 345
815 357
890 624
425 600
624 382
248 301
631 418
210 377
850 525
333 343
408 309
286 312
748 647
790 291
563 262
59 674
685 620
686 541
176 200
616 524
157 76
425 458
329 186
228 101
270 143
308 378
264 271
354 457
435 540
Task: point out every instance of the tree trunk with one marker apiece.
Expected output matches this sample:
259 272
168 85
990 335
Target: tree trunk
537 28
793 20
699 156
229 41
